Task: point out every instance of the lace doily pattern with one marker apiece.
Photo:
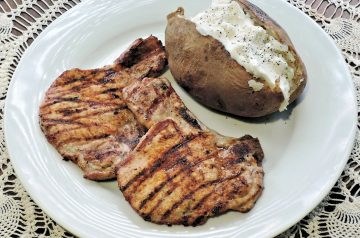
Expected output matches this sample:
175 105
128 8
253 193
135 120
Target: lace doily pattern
21 21
339 213
20 24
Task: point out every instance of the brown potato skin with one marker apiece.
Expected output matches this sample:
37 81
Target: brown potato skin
203 67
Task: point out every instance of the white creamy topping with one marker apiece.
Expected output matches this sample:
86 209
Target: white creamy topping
256 86
250 45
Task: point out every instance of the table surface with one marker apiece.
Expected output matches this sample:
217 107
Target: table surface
21 21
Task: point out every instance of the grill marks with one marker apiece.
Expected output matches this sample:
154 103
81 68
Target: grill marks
87 102
72 123
167 136
204 196
181 172
184 164
78 114
189 181
90 86
85 117
157 165
193 190
177 173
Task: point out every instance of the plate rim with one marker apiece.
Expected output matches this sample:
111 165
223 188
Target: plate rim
325 189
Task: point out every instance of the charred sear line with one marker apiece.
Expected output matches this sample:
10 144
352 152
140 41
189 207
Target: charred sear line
153 193
89 102
74 119
73 80
126 186
106 80
202 200
111 90
120 109
72 99
98 137
115 96
51 122
69 112
192 121
76 88
83 85
88 139
182 143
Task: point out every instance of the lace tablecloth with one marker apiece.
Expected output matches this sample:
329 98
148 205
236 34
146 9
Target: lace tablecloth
21 21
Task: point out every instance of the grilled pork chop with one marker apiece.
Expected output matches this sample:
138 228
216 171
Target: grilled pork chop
181 172
85 117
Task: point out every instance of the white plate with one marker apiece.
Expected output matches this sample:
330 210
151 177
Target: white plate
306 147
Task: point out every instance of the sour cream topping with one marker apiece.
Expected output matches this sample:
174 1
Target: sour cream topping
251 46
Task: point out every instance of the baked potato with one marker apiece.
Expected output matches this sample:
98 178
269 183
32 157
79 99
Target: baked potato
207 71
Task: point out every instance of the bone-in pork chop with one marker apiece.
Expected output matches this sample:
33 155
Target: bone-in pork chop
181 172
85 117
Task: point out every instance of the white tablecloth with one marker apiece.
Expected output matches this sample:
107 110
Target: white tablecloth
337 216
